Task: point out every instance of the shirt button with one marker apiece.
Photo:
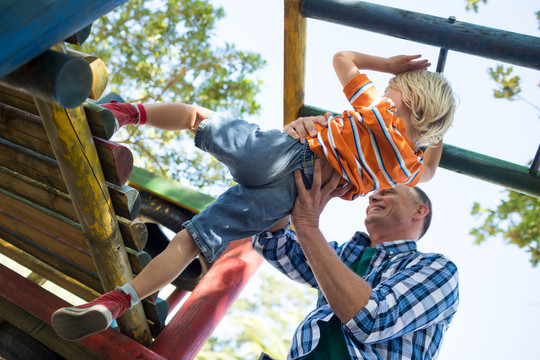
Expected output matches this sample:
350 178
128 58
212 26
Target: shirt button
391 253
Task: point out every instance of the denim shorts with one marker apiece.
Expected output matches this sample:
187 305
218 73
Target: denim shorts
263 164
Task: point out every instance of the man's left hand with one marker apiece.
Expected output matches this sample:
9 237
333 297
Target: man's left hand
311 202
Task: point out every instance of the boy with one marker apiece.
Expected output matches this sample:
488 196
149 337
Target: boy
374 147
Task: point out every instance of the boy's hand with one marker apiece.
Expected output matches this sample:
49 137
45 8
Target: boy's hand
403 63
299 128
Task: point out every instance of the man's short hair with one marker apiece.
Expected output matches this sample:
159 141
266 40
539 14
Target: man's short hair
424 199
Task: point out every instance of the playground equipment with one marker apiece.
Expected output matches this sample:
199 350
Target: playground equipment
75 211
68 212
448 34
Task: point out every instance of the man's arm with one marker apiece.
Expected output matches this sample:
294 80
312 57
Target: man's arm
346 292
347 64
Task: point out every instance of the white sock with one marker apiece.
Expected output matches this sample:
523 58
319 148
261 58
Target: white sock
129 290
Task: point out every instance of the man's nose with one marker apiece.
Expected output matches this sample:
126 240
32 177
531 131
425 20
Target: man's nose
374 197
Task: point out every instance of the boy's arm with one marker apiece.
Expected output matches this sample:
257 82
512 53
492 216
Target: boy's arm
432 156
347 64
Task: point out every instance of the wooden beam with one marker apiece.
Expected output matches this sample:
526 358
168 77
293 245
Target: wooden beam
40 303
295 61
116 160
100 78
29 27
44 333
102 122
26 129
80 36
156 311
54 232
43 221
69 268
134 233
125 199
70 138
54 77
48 272
187 332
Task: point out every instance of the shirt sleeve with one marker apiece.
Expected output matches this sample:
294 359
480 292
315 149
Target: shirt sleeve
419 296
361 92
282 251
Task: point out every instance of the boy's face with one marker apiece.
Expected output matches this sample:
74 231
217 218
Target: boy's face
402 110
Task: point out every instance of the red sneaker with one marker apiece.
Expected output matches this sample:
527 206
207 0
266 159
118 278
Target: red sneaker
76 322
123 112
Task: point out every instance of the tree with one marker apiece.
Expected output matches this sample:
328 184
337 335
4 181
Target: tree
163 50
516 219
504 76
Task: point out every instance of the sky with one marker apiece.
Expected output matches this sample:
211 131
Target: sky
499 312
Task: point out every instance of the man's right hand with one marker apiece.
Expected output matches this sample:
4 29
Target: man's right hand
299 128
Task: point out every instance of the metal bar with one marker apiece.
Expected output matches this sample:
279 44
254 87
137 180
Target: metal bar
496 171
442 60
464 37
533 170
189 329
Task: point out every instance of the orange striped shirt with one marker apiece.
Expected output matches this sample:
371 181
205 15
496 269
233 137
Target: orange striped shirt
368 146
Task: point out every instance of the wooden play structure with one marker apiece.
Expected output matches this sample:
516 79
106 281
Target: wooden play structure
76 212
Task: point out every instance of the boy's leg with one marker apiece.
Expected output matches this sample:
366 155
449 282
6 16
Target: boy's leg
175 116
77 322
166 267
164 116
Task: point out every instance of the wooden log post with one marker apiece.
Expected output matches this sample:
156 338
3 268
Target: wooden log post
80 36
71 141
295 61
50 273
54 77
41 303
100 78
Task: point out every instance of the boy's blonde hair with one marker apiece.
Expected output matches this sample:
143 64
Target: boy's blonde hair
432 103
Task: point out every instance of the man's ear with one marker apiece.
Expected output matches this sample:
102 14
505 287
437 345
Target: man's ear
420 211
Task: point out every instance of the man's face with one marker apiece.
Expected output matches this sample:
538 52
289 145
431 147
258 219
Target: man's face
390 208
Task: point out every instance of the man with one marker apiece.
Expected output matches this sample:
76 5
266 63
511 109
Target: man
379 298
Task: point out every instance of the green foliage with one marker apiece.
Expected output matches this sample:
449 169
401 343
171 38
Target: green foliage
509 83
516 219
164 51
473 4
265 322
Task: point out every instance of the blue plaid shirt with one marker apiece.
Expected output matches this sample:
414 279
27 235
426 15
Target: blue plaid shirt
414 297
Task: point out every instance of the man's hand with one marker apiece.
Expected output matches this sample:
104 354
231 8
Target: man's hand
403 63
310 203
299 128
345 291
